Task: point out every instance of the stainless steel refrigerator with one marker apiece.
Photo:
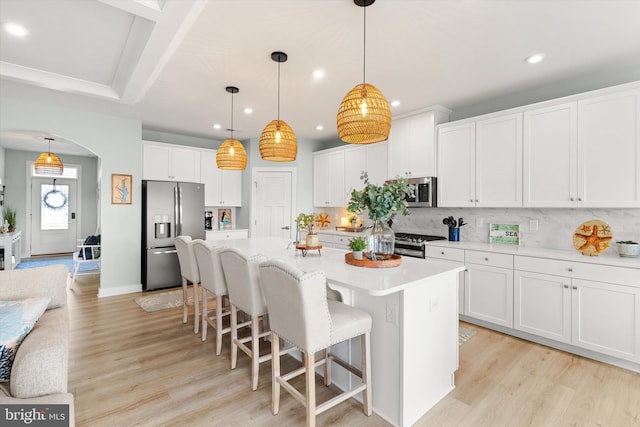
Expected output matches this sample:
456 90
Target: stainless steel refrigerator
169 209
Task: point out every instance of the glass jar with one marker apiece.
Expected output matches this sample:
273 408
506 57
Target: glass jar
380 239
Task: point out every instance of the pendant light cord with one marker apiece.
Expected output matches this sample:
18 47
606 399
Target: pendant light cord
278 92
231 115
364 46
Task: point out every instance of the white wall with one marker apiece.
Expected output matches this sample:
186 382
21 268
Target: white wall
117 142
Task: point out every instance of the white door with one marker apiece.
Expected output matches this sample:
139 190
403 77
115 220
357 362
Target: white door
273 195
53 215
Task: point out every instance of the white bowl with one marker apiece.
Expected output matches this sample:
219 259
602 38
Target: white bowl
628 250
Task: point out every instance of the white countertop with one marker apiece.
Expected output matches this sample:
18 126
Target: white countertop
373 281
610 257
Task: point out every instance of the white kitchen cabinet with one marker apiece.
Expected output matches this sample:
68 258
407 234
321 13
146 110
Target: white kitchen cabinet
216 235
480 163
221 187
488 287
542 305
577 304
412 148
499 161
457 165
166 162
370 158
584 153
550 166
328 178
609 150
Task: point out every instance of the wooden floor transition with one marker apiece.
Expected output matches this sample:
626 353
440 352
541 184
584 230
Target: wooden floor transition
128 367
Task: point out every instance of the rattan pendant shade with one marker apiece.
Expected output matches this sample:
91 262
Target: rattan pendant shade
231 154
48 163
364 116
278 142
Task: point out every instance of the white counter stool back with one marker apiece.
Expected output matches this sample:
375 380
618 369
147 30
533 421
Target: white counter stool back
212 280
190 274
300 313
245 294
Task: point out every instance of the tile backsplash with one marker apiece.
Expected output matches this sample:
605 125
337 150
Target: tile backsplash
555 226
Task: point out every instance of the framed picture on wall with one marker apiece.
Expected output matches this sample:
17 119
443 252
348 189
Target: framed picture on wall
120 189
225 222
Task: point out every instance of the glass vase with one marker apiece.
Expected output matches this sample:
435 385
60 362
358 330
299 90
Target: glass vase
380 239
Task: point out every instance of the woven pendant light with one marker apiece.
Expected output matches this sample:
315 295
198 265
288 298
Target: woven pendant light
364 116
231 154
48 163
278 142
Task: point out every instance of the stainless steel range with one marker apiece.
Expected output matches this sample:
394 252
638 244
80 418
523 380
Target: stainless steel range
413 244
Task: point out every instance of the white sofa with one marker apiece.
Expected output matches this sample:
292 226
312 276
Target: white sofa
40 369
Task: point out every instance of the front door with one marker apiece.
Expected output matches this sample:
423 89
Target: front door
274 196
53 215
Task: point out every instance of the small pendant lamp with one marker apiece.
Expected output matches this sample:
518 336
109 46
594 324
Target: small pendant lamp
278 142
231 154
364 116
48 163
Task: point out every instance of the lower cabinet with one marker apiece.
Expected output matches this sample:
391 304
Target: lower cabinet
227 234
597 316
488 294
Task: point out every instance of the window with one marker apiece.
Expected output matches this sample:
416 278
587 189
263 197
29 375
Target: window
54 212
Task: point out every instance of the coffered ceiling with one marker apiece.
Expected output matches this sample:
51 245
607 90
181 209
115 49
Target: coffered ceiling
167 62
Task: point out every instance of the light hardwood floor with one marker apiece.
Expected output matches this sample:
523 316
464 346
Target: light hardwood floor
128 367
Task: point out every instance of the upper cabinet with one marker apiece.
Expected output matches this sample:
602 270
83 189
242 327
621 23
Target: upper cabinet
371 158
221 187
480 163
412 144
328 178
166 162
584 153
580 151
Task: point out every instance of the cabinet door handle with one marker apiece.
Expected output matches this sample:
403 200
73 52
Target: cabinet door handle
471 200
566 286
579 199
442 253
570 270
476 200
486 259
574 287
572 199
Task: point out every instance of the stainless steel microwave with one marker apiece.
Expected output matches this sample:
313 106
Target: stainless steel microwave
425 194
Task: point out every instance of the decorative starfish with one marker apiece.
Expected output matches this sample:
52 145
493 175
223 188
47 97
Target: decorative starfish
592 239
323 220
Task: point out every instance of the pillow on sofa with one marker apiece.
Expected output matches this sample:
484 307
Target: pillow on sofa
16 321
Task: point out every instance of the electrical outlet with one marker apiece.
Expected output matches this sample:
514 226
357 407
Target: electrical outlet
533 225
392 313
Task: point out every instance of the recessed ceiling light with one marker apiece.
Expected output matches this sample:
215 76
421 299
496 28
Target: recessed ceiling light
319 127
318 74
15 29
395 103
217 126
534 59
248 110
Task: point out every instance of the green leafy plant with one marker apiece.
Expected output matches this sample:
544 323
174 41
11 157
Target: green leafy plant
306 221
381 200
357 244
9 215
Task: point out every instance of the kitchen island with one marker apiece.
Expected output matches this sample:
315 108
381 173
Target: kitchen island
414 338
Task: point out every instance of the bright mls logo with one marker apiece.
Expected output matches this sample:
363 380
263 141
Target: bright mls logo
35 415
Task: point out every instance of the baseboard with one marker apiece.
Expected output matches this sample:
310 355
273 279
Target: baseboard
119 290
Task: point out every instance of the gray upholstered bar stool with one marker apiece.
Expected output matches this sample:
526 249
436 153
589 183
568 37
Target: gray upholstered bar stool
245 294
190 274
300 313
212 280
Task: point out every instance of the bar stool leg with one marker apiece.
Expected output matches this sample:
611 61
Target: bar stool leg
234 336
275 373
310 375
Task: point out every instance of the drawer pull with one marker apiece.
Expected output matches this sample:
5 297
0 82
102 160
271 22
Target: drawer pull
570 270
442 253
486 259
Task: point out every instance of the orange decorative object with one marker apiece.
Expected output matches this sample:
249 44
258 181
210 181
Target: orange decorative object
323 220
592 237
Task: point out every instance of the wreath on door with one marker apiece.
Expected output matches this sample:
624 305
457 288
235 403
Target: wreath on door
54 200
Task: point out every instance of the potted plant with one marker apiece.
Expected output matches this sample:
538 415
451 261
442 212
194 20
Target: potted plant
306 222
9 218
381 201
357 245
